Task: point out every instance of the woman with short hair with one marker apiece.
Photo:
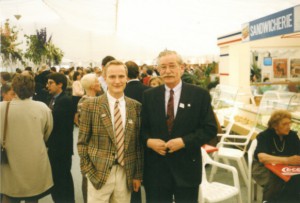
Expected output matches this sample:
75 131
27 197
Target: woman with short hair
27 176
277 145
7 93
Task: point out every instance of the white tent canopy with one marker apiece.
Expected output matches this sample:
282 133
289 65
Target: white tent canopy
88 30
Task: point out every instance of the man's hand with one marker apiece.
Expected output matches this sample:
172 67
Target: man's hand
136 185
157 145
175 145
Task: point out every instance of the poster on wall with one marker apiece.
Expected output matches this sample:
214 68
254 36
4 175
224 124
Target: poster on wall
280 68
295 68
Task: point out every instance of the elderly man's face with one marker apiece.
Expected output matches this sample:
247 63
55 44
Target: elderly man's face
170 70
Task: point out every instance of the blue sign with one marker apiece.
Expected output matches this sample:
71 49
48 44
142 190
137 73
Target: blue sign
272 25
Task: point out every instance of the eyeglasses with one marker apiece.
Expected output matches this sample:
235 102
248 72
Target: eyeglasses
165 67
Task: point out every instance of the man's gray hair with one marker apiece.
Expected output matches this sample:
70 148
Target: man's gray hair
170 52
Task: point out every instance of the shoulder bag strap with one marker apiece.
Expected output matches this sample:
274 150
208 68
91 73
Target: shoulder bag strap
5 125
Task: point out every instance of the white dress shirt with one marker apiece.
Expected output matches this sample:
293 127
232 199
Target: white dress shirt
177 93
102 83
122 106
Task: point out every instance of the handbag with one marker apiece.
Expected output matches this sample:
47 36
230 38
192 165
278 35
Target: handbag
4 158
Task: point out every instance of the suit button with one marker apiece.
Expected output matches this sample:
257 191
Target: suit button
113 154
110 167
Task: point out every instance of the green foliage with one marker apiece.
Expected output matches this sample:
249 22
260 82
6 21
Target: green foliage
256 70
54 54
190 78
209 68
39 50
9 50
200 78
36 48
206 72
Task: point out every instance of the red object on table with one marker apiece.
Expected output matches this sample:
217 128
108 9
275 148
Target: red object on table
283 171
209 148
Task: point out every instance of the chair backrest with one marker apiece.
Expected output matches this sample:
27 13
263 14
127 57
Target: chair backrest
251 152
250 161
228 127
241 141
205 160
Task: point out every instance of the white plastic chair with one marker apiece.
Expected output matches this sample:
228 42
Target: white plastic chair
251 182
233 150
226 130
215 191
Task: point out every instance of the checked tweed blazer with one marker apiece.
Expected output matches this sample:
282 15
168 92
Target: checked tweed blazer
97 144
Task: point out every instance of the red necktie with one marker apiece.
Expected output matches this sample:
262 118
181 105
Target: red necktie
170 111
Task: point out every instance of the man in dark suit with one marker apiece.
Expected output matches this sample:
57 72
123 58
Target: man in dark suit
60 143
134 88
109 144
177 119
41 79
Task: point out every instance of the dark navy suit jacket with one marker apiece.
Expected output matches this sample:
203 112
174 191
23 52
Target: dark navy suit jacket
194 123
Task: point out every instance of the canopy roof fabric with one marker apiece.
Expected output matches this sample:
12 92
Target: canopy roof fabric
88 30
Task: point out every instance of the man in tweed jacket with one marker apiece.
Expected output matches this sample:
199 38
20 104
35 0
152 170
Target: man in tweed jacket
110 180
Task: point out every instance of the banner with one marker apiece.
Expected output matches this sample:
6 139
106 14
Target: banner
280 23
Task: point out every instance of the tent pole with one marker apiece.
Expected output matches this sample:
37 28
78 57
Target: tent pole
116 20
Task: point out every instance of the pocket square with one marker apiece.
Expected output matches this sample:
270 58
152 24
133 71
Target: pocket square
181 105
130 121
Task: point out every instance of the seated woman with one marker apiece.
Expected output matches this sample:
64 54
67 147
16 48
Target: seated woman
277 145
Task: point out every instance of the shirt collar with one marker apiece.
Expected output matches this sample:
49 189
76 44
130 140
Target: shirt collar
132 80
113 100
176 88
55 96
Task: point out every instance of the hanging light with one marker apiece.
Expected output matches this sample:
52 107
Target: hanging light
17 16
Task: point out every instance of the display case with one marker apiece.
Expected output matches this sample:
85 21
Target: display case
294 108
233 105
273 100
258 89
224 101
248 115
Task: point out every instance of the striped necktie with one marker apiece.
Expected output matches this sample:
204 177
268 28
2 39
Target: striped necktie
119 133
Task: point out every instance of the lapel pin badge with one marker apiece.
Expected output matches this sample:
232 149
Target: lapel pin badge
189 105
130 121
103 115
181 105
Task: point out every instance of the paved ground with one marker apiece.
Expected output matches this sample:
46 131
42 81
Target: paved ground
222 176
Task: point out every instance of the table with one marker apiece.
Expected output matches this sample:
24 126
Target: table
209 148
283 171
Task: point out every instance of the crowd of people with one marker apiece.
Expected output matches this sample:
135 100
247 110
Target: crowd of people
137 125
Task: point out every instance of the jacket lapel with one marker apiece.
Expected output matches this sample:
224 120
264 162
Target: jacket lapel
106 117
183 101
161 108
128 123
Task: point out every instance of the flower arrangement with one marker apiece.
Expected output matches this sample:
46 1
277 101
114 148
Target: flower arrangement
9 51
54 54
41 50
